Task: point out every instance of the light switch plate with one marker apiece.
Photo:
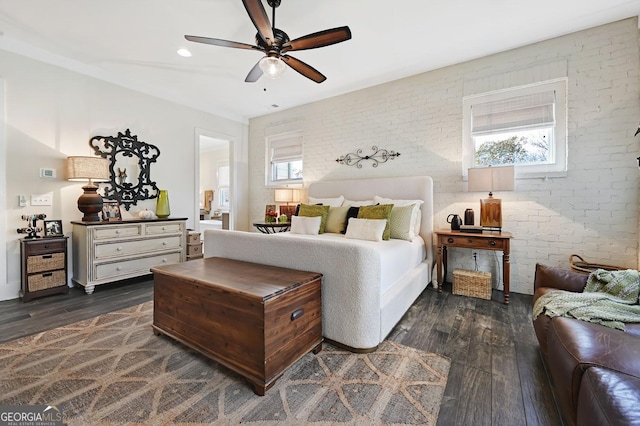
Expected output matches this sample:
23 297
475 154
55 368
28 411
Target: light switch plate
42 200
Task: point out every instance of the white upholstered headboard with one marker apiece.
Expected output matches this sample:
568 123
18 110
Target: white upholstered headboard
399 188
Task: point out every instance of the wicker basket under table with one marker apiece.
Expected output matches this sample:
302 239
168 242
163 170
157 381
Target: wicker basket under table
472 283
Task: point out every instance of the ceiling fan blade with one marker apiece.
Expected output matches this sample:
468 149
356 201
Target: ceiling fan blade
260 19
304 69
319 39
254 74
219 42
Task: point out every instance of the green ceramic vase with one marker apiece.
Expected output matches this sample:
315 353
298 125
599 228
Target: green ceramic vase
162 207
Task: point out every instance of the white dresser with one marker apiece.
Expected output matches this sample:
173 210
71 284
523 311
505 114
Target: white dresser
104 252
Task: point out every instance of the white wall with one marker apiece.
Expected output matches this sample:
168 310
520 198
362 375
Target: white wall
52 113
593 211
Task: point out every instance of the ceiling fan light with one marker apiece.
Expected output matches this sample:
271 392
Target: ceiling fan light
272 66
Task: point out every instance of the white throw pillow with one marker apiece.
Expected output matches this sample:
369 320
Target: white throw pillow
400 223
305 225
352 203
366 229
331 202
416 218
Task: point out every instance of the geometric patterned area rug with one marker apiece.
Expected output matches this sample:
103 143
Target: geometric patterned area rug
112 369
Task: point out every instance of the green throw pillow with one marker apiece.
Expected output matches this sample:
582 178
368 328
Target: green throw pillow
382 211
313 211
336 220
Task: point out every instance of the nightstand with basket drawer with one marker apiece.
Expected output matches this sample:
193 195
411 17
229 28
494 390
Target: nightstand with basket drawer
44 267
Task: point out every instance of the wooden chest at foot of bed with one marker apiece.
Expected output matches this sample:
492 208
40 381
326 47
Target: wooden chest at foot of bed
255 319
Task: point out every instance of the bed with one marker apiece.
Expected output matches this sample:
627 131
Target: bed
367 286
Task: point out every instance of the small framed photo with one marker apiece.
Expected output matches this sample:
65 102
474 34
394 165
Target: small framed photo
53 228
270 213
111 210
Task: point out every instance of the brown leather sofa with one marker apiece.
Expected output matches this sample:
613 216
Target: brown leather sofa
594 370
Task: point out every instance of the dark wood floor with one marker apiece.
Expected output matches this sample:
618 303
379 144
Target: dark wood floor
496 376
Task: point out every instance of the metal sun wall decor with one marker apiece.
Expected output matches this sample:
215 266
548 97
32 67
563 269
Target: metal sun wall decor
379 156
130 164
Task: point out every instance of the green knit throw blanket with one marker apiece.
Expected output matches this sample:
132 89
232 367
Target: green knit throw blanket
610 298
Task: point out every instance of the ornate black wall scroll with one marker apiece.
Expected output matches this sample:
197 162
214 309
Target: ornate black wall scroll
130 167
379 156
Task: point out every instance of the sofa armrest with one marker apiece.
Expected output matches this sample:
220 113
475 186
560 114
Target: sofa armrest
562 279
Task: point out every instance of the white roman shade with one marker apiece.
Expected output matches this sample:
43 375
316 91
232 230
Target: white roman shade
536 110
286 149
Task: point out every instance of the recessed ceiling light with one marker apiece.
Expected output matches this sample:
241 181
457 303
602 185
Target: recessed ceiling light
184 52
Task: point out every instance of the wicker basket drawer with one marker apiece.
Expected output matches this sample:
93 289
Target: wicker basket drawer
46 280
472 283
45 262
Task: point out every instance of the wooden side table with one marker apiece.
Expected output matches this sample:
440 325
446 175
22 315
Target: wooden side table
499 241
272 227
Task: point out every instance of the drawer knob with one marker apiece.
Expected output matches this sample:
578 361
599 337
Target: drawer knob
450 240
164 228
164 243
119 268
117 231
119 249
46 246
164 260
492 243
297 314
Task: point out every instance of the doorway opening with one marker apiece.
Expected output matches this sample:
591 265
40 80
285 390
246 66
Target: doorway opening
215 183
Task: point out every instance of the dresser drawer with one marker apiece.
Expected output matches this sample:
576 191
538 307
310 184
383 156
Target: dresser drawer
126 248
107 232
134 266
45 262
163 228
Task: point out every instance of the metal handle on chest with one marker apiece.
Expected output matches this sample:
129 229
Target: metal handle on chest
297 314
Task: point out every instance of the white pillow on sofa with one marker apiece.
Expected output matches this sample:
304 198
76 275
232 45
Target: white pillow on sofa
353 203
365 229
305 225
331 202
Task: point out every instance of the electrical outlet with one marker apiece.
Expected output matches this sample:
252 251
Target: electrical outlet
22 200
42 200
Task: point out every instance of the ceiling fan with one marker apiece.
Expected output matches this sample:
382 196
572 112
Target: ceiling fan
275 43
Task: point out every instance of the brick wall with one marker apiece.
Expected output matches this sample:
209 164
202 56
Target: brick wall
592 211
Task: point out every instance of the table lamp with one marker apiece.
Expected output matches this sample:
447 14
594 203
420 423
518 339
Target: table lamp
491 179
91 169
287 195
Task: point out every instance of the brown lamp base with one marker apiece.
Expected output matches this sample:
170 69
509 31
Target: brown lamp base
491 212
90 203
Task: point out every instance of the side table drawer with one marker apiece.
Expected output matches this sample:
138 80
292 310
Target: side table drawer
194 249
45 262
478 243
45 246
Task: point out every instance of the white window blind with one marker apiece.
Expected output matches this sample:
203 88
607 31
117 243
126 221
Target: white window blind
286 150
531 111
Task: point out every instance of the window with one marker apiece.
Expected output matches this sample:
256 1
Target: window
223 185
524 126
284 159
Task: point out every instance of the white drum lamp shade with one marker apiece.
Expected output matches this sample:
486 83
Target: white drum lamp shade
90 169
491 179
